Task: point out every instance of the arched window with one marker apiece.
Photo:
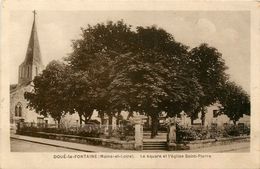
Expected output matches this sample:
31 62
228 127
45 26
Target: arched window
18 110
28 71
24 71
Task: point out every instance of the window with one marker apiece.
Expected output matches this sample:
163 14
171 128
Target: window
40 120
215 113
18 110
28 71
24 71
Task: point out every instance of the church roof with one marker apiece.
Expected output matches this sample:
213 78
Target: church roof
33 53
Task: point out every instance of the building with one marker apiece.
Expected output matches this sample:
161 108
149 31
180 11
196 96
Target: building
29 68
212 117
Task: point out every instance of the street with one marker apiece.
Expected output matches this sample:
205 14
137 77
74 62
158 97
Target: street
26 146
46 145
235 147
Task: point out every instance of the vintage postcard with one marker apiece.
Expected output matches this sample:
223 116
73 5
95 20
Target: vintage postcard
130 84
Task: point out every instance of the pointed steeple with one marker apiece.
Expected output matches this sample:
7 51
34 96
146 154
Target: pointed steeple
32 64
33 53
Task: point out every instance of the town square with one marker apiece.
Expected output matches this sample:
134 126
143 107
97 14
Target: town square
101 81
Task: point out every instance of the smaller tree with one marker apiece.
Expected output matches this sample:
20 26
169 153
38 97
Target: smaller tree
47 97
209 68
235 102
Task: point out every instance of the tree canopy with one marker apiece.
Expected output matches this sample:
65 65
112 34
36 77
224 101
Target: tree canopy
114 67
235 102
209 67
47 97
144 70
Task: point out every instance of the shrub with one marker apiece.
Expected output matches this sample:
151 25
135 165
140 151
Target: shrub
185 134
125 131
232 130
90 131
246 130
128 128
190 133
236 130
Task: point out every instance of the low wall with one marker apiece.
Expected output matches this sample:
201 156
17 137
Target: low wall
116 144
215 142
130 145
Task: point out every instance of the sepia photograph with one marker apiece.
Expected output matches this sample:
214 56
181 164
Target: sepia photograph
129 84
116 81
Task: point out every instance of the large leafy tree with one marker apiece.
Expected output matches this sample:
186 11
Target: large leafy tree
235 102
47 97
209 67
155 77
140 71
92 61
138 87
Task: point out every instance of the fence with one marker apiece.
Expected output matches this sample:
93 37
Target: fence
122 132
199 132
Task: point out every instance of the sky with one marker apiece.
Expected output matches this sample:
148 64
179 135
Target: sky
228 31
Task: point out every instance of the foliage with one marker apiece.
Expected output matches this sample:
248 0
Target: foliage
232 130
114 68
236 130
154 77
92 62
210 69
127 130
90 131
235 102
123 132
191 133
47 97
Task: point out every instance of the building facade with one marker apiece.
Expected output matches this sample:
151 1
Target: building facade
29 68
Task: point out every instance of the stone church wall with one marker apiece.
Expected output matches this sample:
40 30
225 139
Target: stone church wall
27 115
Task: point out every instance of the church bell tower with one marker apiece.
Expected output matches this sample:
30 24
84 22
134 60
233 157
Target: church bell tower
32 65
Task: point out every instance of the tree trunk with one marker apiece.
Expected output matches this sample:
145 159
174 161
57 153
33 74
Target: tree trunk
235 122
192 120
155 123
157 126
118 118
58 120
102 117
203 114
110 120
110 123
88 117
80 119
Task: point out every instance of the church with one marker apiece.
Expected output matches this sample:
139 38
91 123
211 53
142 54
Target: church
28 69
